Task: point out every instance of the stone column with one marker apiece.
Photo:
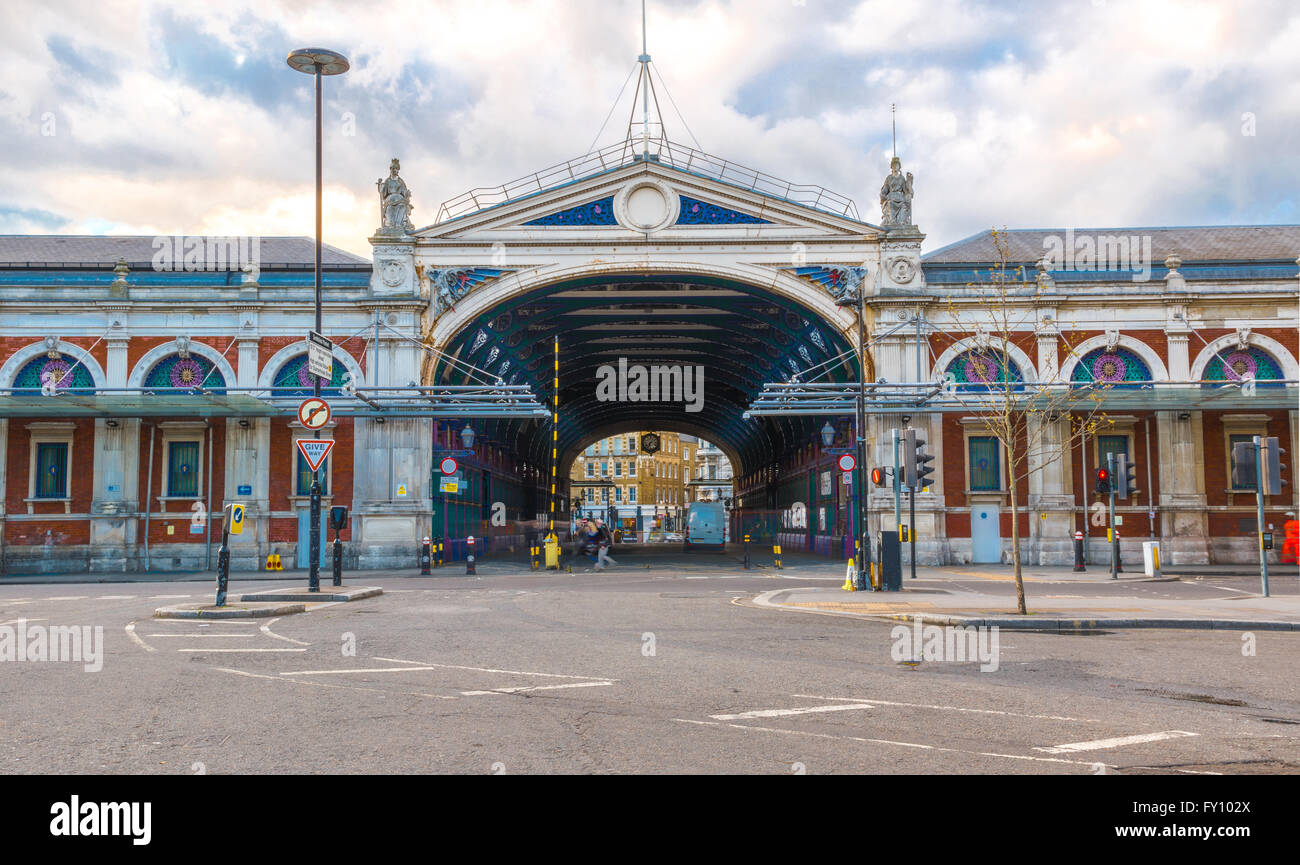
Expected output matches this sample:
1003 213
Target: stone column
1183 523
116 501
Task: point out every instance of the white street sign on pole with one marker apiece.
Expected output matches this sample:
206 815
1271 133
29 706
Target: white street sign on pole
320 356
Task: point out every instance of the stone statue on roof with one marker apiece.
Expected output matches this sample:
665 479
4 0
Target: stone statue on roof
394 202
896 196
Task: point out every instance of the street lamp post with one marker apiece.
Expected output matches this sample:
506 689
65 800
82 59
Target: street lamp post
317 62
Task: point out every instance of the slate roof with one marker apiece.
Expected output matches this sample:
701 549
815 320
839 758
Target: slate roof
104 250
1191 243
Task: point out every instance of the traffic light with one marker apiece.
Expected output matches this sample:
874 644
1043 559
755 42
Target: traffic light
1243 465
1125 477
1103 482
916 462
878 476
1271 454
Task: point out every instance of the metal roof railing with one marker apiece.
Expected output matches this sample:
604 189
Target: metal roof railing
678 156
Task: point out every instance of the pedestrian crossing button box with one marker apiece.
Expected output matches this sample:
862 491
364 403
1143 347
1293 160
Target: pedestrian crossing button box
338 518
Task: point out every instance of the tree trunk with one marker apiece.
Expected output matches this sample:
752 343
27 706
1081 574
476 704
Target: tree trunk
1015 537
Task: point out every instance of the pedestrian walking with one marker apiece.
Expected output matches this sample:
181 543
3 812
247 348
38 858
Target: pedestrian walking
604 540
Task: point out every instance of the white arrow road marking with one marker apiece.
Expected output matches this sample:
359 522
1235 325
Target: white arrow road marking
534 688
205 651
490 670
130 632
781 713
201 636
951 708
328 685
1104 744
266 629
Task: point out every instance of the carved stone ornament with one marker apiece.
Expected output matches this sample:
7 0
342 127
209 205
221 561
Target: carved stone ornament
52 347
1243 338
183 346
393 273
1112 340
901 269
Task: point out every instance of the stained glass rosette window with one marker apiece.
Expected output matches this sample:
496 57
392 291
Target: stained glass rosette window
1234 365
180 374
65 372
975 370
295 378
1119 368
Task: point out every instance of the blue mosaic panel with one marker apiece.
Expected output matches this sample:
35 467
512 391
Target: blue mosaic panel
696 212
1234 365
974 369
38 369
830 278
295 379
1117 367
592 213
185 373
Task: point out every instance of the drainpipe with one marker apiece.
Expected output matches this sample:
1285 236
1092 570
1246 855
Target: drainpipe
1083 491
1151 502
148 491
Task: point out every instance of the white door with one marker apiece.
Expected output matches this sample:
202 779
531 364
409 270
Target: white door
985 539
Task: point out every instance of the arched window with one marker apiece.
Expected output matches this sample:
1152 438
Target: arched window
977 369
1234 364
1118 367
66 373
295 378
184 374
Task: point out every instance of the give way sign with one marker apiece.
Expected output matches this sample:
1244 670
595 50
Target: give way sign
314 451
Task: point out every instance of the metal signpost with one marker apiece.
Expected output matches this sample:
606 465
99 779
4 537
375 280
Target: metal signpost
232 525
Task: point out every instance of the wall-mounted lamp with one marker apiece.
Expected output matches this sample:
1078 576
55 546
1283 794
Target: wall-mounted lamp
243 422
467 436
110 423
828 434
1184 415
907 419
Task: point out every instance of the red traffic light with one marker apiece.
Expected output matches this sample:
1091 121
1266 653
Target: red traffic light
1103 474
878 476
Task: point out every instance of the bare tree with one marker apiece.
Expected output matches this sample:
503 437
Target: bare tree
1037 421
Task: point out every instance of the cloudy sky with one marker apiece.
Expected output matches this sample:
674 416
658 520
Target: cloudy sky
175 117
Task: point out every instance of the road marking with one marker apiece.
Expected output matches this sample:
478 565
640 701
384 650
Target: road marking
534 688
241 650
327 685
266 629
491 670
16 621
916 745
130 632
1104 744
221 622
781 713
166 597
115 597
201 636
68 598
357 670
952 708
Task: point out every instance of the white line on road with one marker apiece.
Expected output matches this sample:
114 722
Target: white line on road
67 598
327 685
166 597
916 745
490 670
951 708
16 621
781 713
266 629
535 688
241 650
115 598
130 632
201 636
1104 744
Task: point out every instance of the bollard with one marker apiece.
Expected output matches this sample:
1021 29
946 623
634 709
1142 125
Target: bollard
469 556
425 558
223 568
776 553
746 552
1119 563
1078 552
338 561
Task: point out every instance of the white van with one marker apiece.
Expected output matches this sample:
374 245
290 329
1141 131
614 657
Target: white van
706 526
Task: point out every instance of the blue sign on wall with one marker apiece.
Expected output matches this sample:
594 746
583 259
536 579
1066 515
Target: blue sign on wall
245 490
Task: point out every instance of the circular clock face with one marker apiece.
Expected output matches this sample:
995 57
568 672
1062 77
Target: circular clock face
649 443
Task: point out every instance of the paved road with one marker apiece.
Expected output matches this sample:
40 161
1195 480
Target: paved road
637 670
